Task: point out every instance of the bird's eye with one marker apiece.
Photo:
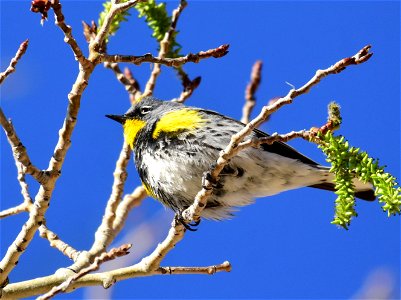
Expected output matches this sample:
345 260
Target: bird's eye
145 109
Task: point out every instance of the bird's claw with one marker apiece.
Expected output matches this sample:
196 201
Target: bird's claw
207 177
189 226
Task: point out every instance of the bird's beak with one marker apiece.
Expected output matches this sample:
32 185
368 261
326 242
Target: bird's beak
119 119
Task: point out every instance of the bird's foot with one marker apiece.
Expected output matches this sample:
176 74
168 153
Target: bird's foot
207 177
189 226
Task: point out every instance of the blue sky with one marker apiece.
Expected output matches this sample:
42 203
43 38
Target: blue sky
282 246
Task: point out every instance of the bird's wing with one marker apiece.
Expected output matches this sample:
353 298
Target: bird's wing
279 148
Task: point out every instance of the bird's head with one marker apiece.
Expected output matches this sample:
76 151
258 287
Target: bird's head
143 114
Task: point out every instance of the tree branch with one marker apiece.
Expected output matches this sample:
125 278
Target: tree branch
105 233
250 91
126 79
165 45
11 68
126 205
55 242
225 266
14 210
104 257
175 235
69 39
105 279
19 151
42 199
189 86
97 43
172 62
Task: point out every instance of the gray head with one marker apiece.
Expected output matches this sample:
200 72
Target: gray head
146 109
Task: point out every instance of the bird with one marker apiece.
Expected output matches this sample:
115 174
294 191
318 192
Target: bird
175 144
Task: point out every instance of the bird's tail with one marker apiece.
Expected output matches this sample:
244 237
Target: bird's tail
364 191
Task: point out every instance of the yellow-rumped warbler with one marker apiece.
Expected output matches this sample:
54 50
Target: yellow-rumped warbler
175 144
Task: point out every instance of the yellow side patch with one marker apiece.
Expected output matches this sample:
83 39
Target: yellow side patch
131 129
148 190
178 121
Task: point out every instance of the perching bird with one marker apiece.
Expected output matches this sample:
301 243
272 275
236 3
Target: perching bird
175 144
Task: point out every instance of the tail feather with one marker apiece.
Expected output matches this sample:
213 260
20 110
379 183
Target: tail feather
364 192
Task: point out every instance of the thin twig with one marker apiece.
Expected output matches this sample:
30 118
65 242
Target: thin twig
193 213
24 186
126 205
153 260
96 45
105 233
104 257
14 210
210 270
165 45
126 79
11 68
172 62
69 39
55 242
19 151
89 31
133 97
250 92
275 137
188 85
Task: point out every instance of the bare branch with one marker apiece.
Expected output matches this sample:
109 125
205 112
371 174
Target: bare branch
225 266
165 45
15 250
132 97
55 242
11 68
172 62
194 211
36 215
69 39
175 235
189 86
105 233
19 151
24 186
362 56
14 210
250 91
89 31
97 43
105 279
112 254
126 79
126 205
275 137
26 206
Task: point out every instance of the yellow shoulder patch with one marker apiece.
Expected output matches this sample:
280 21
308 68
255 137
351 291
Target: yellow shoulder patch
177 121
131 129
